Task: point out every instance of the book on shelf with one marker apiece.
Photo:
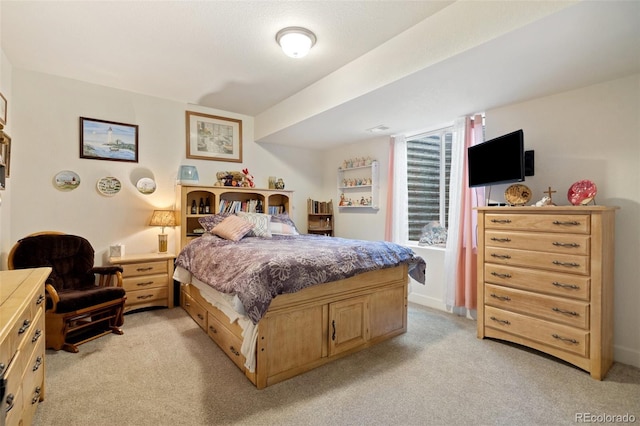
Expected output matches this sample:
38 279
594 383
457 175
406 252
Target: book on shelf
319 207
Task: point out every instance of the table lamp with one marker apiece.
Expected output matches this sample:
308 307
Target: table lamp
162 218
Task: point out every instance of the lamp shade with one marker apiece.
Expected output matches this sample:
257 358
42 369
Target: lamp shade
295 41
188 174
163 218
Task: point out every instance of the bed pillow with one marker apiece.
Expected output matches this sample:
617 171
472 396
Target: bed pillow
260 223
232 228
282 229
283 218
209 222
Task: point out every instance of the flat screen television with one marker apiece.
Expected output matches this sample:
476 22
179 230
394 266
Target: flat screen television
498 160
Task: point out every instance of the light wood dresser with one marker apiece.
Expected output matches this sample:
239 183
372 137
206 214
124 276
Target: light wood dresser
147 279
22 305
545 280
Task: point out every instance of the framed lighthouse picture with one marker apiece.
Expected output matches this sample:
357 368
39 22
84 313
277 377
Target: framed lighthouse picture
108 140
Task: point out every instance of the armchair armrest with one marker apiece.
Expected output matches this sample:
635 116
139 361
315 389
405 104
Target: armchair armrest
55 298
110 276
106 270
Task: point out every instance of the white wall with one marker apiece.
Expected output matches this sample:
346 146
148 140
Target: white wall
45 113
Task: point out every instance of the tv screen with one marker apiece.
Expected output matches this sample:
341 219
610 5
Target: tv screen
499 160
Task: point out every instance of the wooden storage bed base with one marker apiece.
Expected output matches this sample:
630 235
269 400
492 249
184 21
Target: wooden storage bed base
312 327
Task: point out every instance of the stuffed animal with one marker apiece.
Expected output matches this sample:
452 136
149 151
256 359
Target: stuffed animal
248 177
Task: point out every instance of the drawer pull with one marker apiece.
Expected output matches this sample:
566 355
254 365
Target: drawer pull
570 264
25 326
499 275
559 244
501 240
562 311
144 269
201 317
2 367
37 364
500 256
144 283
187 304
504 298
9 400
40 299
505 322
37 335
501 220
234 351
571 286
144 296
213 329
565 339
36 395
566 222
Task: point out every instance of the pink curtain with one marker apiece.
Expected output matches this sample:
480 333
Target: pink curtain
466 262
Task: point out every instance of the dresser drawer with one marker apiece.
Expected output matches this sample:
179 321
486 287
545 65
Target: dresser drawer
550 261
556 309
195 310
146 268
35 337
569 223
555 283
13 393
555 335
144 282
227 341
33 376
145 296
539 241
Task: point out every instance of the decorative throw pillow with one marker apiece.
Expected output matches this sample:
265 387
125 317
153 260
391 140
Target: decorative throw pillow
260 223
232 228
285 219
209 222
282 229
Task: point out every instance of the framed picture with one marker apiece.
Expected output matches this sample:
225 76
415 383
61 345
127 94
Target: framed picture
108 140
210 137
5 152
3 109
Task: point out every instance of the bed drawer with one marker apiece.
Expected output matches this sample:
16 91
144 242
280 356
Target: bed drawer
195 310
566 223
227 341
539 241
556 309
556 335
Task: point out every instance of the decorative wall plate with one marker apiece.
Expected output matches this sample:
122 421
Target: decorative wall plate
66 180
582 192
517 194
109 186
146 186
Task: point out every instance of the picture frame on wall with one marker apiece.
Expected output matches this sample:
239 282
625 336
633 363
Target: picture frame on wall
5 152
211 137
108 140
3 109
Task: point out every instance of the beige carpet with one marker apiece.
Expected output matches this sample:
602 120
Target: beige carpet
165 371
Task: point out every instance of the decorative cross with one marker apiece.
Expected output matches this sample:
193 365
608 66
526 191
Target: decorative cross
549 192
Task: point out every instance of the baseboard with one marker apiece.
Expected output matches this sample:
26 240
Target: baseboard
429 302
626 355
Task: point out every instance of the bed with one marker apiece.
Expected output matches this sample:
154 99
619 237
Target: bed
281 304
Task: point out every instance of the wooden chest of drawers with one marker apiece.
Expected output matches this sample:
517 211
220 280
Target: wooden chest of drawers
545 280
147 279
22 337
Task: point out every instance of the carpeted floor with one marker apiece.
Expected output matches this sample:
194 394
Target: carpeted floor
166 371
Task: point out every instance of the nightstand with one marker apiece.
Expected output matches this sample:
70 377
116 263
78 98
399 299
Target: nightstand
147 279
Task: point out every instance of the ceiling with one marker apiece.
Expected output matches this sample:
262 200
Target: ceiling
223 55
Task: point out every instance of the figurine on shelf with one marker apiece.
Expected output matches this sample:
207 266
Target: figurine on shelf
248 178
280 183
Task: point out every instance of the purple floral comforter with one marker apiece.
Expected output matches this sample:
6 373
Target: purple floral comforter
258 269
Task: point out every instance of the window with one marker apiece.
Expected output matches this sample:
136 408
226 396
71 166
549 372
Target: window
428 170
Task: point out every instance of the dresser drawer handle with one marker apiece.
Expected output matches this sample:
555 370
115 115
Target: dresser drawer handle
505 322
559 244
37 364
501 240
213 329
505 298
144 269
501 220
25 326
570 264
145 296
499 275
234 351
36 395
562 311
201 317
565 339
9 400
562 285
500 256
36 335
2 367
40 299
567 222
144 283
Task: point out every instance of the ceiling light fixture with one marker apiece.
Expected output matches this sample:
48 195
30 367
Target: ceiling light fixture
295 41
378 129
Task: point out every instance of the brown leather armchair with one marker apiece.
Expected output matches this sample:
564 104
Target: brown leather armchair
80 307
